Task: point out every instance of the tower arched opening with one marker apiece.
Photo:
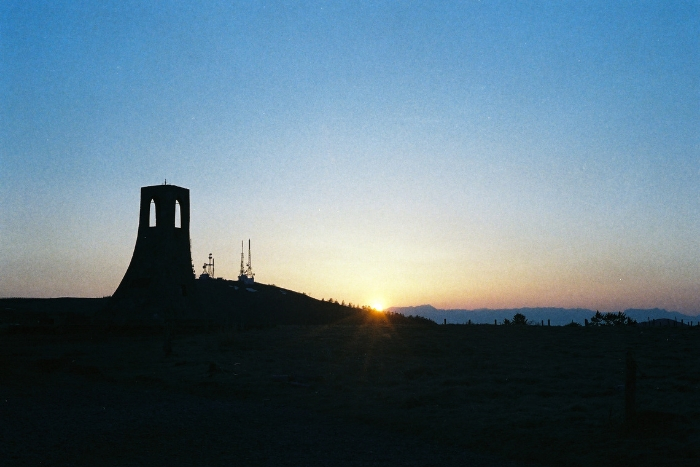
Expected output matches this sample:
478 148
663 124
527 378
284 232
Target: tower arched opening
152 214
178 215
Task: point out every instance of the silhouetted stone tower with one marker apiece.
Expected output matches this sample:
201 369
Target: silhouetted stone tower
159 284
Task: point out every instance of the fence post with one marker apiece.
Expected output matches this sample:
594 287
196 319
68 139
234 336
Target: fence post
548 323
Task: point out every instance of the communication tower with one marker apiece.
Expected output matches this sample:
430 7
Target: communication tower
208 271
247 276
242 273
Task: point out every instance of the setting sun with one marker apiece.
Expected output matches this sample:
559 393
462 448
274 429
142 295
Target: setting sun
378 306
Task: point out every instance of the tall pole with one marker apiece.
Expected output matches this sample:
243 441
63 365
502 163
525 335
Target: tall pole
242 259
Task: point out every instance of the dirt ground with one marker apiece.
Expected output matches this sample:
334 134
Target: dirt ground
350 395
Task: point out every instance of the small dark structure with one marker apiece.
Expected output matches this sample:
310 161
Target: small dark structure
159 284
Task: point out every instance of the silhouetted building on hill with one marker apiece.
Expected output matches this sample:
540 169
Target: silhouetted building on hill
159 284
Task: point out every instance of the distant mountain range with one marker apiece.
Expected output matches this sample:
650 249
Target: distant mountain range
556 316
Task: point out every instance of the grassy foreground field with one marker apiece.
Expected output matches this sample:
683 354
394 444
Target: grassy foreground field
542 395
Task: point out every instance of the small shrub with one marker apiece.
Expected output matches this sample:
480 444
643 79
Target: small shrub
519 319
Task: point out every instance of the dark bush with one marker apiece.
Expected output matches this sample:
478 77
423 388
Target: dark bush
611 319
519 319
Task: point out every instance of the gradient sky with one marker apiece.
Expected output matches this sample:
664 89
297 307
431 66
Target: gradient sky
464 154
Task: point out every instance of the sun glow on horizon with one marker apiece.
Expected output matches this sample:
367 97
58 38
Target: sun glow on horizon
378 306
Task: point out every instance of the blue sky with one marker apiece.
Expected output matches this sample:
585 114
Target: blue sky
466 154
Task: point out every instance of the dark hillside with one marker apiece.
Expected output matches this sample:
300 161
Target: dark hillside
234 304
47 311
222 303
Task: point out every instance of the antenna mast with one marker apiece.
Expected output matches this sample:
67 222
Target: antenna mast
209 267
242 260
247 275
250 266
